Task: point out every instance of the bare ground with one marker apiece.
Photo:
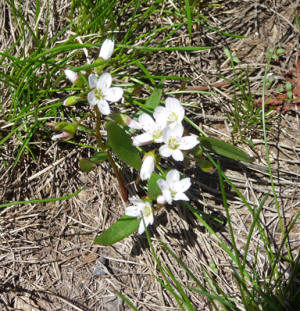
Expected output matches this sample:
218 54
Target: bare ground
47 258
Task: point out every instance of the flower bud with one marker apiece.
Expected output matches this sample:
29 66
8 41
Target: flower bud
107 49
147 165
71 100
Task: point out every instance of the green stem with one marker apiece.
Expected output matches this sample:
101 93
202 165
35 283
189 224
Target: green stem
109 157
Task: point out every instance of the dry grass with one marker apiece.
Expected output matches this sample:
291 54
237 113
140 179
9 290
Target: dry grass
47 258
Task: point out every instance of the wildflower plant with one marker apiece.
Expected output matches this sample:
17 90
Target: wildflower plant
159 126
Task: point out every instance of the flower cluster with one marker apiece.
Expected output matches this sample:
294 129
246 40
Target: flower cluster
164 127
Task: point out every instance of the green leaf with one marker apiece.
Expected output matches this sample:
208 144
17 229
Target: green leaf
121 144
99 157
86 165
224 149
121 229
153 189
153 100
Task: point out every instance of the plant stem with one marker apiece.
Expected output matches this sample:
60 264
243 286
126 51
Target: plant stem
109 157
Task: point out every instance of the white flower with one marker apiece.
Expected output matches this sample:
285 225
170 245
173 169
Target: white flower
173 188
140 209
71 75
102 92
174 142
147 166
107 49
173 111
153 129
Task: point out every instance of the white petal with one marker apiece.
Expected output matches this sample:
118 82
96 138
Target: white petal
141 140
147 167
104 81
113 94
133 211
162 184
188 142
181 197
141 227
92 99
92 80
161 200
167 195
147 123
165 151
133 124
107 49
103 107
173 105
183 185
71 75
177 130
159 111
173 176
177 155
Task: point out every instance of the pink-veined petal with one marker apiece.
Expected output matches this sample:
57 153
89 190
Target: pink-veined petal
141 140
162 184
177 155
173 176
188 142
92 99
165 151
103 107
92 81
113 94
104 81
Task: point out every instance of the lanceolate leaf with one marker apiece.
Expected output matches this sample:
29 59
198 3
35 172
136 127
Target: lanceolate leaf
121 144
121 229
224 149
154 99
153 189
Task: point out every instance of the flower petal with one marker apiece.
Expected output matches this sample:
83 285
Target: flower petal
92 80
177 155
104 81
71 75
141 229
165 151
113 94
133 211
180 196
173 105
188 142
177 130
173 176
147 123
103 107
183 185
141 140
92 99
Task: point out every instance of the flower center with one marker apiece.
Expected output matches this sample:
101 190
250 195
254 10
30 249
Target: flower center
99 94
156 134
173 143
147 211
173 117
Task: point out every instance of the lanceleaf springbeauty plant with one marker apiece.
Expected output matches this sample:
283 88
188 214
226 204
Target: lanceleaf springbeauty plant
160 127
